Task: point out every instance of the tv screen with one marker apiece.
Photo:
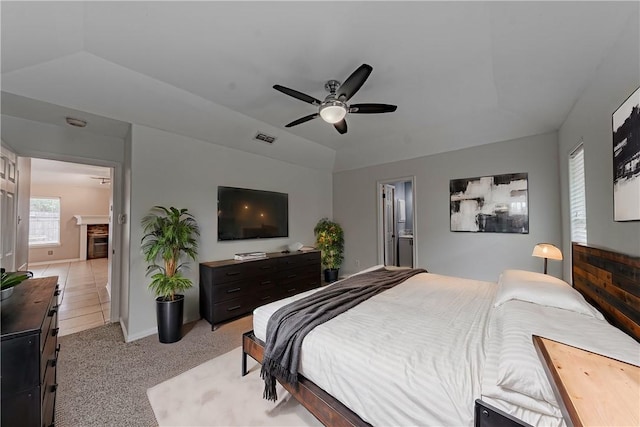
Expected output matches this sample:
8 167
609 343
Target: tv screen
252 214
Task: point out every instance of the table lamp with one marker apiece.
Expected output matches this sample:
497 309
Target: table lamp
546 251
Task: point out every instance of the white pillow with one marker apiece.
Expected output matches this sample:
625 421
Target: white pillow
541 289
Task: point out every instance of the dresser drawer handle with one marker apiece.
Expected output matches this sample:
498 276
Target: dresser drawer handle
313 284
53 361
53 388
233 273
230 291
266 267
291 276
57 292
265 298
53 310
291 290
266 282
235 307
54 332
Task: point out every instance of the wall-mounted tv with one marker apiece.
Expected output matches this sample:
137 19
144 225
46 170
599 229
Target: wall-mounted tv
252 214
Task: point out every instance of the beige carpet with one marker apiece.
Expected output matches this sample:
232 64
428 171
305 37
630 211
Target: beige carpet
214 394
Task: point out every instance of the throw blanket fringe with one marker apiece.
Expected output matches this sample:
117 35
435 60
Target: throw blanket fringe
288 326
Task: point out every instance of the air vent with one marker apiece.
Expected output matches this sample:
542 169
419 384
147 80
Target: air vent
264 138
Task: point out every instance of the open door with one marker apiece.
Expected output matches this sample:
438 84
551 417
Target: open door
389 221
8 206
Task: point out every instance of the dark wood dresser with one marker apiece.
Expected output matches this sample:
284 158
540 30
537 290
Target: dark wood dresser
29 350
230 289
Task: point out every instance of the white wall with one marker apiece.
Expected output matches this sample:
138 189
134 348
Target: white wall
590 121
474 255
74 200
173 170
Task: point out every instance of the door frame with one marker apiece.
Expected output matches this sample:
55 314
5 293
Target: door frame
379 212
115 224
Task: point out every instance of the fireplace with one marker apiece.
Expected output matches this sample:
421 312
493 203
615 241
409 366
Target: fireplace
97 241
101 243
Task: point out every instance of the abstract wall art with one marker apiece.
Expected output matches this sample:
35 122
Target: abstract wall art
626 159
490 204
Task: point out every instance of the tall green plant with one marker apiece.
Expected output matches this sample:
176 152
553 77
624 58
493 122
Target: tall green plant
330 241
170 234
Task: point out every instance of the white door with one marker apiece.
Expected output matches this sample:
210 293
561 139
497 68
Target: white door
23 207
8 191
389 221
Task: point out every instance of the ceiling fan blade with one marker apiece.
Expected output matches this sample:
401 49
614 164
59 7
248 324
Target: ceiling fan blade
302 120
354 82
372 108
298 95
341 126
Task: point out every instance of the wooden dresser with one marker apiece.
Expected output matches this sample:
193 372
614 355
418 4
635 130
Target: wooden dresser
29 350
230 289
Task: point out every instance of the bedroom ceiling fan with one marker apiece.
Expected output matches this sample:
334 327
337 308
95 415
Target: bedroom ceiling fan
334 108
103 180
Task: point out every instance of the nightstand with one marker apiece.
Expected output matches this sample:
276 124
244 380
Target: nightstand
591 389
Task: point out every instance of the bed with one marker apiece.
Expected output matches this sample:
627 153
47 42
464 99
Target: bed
424 351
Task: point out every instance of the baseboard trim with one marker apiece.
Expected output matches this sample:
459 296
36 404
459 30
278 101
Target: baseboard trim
59 261
139 335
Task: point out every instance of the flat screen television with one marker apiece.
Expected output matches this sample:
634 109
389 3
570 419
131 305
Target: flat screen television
252 214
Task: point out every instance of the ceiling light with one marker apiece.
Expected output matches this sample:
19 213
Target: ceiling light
79 123
333 111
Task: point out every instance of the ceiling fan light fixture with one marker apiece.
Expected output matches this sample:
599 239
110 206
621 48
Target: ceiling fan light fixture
333 111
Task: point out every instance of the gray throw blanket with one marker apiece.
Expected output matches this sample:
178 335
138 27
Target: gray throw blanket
288 326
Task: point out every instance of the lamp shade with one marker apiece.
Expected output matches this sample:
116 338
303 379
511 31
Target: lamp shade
547 250
332 111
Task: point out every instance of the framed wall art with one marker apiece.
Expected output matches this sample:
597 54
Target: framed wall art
490 204
626 159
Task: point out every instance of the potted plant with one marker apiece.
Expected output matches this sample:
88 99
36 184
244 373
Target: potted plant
10 280
170 235
330 241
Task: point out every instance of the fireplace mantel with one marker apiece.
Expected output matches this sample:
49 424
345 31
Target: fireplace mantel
92 219
83 221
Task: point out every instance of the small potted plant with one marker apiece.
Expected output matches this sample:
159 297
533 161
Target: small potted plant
170 235
8 281
330 241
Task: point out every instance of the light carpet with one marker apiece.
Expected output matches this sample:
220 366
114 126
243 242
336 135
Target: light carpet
214 394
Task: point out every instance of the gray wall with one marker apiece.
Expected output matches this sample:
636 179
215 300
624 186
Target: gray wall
473 255
590 121
173 170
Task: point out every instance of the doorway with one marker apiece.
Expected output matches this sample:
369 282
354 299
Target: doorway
64 246
396 222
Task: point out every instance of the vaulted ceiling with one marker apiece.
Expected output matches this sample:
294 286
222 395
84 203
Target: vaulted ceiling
461 73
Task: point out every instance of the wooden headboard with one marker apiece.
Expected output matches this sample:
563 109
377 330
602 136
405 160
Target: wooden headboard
610 281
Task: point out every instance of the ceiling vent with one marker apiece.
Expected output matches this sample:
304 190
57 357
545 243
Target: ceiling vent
72 121
264 138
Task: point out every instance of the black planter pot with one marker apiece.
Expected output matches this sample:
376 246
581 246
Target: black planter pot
330 275
169 315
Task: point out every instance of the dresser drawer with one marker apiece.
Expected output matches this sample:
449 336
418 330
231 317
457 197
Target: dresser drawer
20 363
48 396
232 308
49 354
241 288
21 409
50 320
299 260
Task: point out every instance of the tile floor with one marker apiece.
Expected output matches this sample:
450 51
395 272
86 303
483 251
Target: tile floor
84 299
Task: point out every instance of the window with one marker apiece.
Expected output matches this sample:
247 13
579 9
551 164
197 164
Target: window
44 221
577 199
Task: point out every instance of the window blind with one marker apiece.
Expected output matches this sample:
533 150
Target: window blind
577 199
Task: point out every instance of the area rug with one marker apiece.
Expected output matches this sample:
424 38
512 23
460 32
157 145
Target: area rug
214 394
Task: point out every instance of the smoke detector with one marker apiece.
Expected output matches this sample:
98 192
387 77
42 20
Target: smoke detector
79 123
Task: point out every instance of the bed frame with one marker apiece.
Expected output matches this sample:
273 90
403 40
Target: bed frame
609 280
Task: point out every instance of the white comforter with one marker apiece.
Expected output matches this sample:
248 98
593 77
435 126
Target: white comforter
412 355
